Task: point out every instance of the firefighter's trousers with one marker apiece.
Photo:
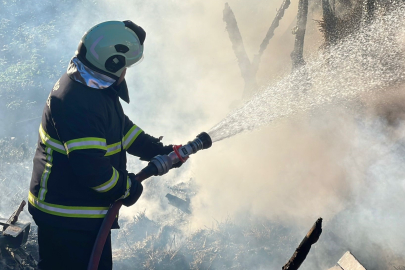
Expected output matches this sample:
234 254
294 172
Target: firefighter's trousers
65 249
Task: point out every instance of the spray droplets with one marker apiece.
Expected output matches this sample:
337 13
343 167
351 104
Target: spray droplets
365 63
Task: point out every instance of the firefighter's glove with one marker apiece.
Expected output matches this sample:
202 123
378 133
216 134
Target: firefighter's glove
134 192
165 150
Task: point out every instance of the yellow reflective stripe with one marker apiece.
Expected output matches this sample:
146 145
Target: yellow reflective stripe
45 175
67 211
129 184
131 135
86 143
113 149
110 183
127 192
52 143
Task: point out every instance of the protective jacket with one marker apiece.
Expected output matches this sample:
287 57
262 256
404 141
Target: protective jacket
80 161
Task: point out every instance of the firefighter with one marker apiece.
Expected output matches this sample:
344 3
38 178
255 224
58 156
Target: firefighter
80 161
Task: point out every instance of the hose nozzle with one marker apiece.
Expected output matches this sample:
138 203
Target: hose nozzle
181 153
205 139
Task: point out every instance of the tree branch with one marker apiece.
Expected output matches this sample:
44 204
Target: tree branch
270 33
239 49
297 54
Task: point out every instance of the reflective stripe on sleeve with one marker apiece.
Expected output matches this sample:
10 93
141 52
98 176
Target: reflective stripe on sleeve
110 183
113 149
86 143
52 143
131 135
67 211
45 175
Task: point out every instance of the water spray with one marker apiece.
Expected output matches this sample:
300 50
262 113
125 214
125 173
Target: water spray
159 165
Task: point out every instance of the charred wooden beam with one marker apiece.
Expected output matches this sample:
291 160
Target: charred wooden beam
248 69
303 249
14 217
14 234
297 54
270 33
183 205
237 44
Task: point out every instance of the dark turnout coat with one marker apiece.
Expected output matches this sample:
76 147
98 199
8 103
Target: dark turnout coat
80 161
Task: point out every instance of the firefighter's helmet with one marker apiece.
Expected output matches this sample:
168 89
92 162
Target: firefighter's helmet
112 46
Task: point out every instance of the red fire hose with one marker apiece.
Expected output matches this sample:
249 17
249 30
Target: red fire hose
159 165
112 213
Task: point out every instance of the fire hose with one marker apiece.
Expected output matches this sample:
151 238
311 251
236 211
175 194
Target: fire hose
159 165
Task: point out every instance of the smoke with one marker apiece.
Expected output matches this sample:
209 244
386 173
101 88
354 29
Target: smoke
339 157
343 162
280 172
345 169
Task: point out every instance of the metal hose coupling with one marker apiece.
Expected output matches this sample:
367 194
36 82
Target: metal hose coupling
181 153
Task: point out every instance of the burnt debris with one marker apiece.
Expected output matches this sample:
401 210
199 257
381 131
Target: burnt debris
183 205
13 236
303 249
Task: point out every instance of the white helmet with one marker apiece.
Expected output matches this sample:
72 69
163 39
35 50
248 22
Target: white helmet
111 46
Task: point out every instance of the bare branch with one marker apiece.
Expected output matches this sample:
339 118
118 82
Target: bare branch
270 34
297 54
239 49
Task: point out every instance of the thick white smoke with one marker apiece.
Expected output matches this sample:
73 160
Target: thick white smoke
333 150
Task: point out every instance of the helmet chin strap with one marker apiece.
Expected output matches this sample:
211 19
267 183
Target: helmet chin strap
122 76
